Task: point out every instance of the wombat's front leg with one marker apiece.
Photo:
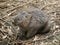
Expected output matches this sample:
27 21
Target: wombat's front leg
31 33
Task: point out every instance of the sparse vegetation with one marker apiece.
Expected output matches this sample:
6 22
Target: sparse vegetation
8 31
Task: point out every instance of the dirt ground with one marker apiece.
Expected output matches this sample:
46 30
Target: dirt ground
8 32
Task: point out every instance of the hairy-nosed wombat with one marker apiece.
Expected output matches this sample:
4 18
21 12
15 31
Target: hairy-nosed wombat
32 21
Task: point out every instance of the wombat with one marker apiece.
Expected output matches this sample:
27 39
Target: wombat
31 22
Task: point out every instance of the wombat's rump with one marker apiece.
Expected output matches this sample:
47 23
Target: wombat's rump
32 21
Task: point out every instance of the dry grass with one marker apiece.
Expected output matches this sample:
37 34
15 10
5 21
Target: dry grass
9 8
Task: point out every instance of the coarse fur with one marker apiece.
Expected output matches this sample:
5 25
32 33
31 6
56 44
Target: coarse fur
32 21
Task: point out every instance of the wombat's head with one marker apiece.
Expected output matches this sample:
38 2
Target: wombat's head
18 19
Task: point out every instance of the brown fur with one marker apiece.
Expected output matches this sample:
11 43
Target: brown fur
32 21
